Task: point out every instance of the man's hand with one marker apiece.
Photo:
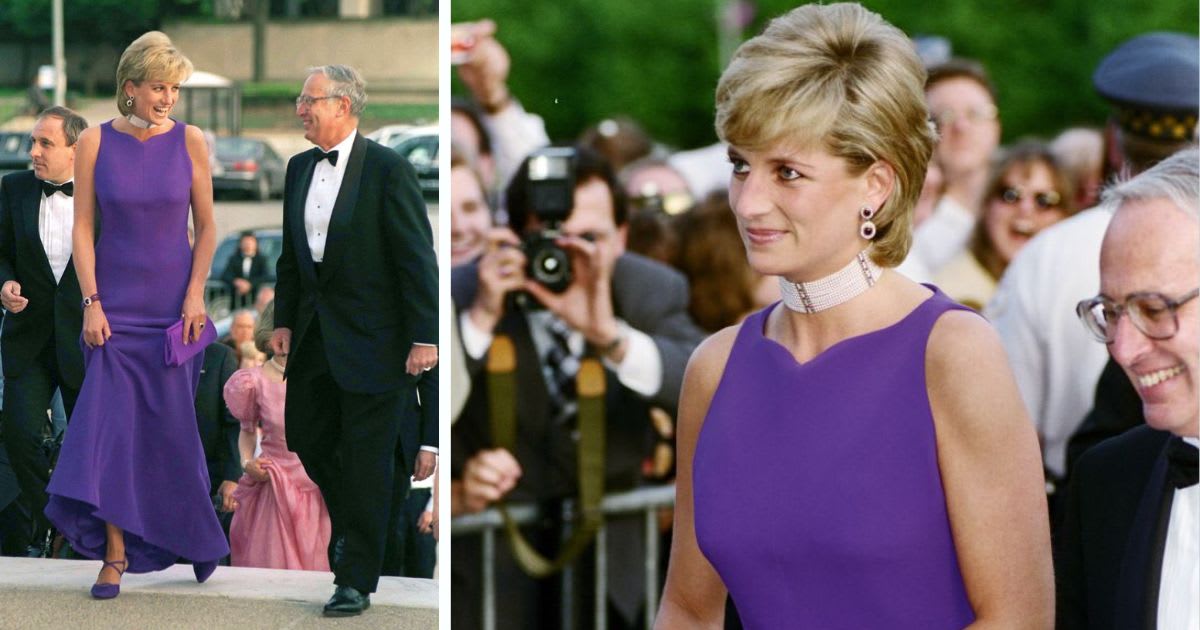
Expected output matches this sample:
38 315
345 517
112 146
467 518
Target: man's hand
281 341
425 465
485 72
241 286
501 270
10 297
586 305
225 491
487 477
427 523
421 359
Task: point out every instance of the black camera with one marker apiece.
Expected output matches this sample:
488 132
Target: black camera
551 193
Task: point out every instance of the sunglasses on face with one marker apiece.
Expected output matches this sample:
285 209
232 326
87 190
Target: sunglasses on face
1045 200
1154 314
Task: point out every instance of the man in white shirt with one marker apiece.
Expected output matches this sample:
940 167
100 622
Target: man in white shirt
631 312
356 307
962 103
1129 548
40 294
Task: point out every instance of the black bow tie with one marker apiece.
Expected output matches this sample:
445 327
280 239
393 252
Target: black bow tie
67 189
331 156
1182 471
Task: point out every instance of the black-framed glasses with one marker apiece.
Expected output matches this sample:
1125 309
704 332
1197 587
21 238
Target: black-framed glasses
1151 313
1045 200
308 101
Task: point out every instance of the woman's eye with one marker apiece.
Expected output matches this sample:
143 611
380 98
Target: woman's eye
788 174
740 167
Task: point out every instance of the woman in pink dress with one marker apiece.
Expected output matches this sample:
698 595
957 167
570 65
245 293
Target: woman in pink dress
279 519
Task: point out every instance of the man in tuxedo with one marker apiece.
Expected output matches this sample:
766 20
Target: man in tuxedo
356 307
245 271
1127 556
632 313
40 294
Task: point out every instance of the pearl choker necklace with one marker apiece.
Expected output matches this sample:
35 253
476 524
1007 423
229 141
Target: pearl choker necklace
275 363
139 122
840 286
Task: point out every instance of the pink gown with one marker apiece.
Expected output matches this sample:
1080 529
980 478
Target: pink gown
281 523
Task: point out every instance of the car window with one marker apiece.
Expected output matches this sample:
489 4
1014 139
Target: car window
237 149
12 142
421 151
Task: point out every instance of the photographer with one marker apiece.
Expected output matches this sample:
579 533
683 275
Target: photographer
631 312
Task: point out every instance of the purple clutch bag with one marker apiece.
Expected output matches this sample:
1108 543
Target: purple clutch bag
178 353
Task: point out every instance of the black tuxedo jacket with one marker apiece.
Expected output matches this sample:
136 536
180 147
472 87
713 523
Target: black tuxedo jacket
54 311
218 428
233 269
650 297
1109 549
376 292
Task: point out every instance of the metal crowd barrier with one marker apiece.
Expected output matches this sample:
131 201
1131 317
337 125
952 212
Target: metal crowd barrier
646 500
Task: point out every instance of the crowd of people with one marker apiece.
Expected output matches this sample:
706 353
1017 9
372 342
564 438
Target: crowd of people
667 247
181 450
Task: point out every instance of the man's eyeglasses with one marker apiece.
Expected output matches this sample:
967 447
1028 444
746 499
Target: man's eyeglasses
1151 313
308 101
1047 200
974 115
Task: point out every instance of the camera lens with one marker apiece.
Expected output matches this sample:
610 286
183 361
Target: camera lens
550 267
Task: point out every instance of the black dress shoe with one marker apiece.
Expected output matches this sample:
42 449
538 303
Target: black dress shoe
347 601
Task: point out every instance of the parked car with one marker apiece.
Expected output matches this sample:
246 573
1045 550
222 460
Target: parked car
14 151
419 145
250 166
216 292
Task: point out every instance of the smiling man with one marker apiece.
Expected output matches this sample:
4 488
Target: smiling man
356 306
40 294
1128 556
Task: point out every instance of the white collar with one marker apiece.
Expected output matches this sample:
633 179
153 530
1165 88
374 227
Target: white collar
343 147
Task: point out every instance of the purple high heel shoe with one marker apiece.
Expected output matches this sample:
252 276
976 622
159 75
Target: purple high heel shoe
203 570
109 591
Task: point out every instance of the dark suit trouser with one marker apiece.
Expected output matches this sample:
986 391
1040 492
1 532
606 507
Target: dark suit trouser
347 442
26 399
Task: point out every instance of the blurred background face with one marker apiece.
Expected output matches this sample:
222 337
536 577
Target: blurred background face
52 159
1151 246
664 184
470 218
1025 203
967 124
242 328
248 245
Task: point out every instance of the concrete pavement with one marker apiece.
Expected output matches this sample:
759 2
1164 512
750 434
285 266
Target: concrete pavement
36 593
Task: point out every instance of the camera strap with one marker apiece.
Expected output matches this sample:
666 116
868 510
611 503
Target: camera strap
502 399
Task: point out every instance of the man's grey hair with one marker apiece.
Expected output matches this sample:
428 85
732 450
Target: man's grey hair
1176 179
345 81
73 124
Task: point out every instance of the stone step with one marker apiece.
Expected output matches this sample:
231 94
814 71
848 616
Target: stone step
36 593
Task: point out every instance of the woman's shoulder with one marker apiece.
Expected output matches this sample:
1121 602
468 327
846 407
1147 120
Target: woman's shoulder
708 360
965 362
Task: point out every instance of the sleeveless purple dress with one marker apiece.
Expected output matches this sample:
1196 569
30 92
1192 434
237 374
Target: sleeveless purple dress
132 454
818 497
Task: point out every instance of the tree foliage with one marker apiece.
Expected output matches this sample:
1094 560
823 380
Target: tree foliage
576 62
115 22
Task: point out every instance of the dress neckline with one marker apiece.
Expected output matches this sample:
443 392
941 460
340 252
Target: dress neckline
761 332
142 142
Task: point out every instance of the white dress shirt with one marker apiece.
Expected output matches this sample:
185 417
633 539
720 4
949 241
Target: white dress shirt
943 236
1178 606
640 369
322 195
1055 360
56 218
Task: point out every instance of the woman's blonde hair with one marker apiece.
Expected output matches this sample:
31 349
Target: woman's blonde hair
839 77
150 57
264 328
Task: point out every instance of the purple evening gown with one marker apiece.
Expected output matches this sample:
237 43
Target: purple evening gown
132 454
818 497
